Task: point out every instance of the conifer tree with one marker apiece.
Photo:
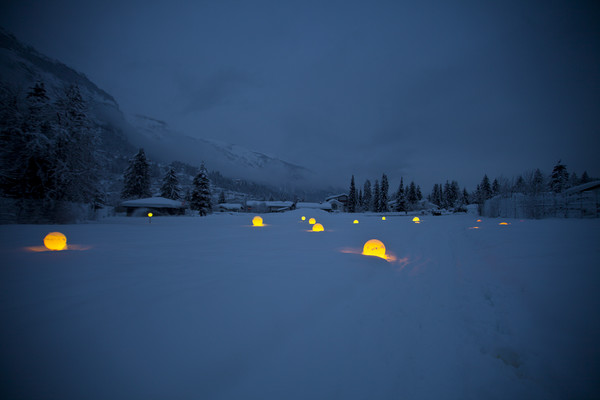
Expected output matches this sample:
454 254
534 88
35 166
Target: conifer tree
360 200
352 197
573 180
585 178
170 186
201 199
76 166
559 178
538 182
419 194
495 188
451 194
434 197
376 197
34 171
485 188
520 185
400 197
465 197
367 196
222 197
137 178
411 194
385 187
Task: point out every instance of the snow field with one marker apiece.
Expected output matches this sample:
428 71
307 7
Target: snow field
215 308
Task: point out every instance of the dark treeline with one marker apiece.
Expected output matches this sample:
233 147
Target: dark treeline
377 197
530 195
532 182
449 195
49 159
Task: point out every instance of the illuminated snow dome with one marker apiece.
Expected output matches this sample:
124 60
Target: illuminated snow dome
318 228
55 241
257 221
374 247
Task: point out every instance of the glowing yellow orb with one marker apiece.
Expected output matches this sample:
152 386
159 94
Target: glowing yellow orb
303 218
318 228
416 219
55 241
375 248
355 221
150 214
503 223
383 218
257 221
312 221
478 220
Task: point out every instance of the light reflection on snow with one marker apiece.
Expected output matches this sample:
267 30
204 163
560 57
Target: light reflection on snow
40 249
389 257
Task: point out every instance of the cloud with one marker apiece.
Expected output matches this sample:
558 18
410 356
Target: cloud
218 88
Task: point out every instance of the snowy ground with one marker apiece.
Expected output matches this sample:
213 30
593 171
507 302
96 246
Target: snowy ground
212 308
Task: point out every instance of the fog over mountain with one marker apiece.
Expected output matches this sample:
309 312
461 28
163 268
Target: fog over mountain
22 66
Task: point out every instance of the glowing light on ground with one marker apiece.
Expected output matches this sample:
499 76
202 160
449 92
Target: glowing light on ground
376 248
416 220
503 223
55 241
303 218
355 221
383 218
150 214
257 221
318 228
474 227
478 220
312 221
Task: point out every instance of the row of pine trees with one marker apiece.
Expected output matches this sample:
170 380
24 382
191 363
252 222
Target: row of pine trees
136 184
48 152
376 197
450 196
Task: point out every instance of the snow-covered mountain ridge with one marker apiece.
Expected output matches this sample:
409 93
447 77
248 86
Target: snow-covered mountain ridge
231 159
22 66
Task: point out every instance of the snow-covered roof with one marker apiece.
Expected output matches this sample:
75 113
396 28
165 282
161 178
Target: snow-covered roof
583 187
254 203
230 206
153 202
321 206
336 196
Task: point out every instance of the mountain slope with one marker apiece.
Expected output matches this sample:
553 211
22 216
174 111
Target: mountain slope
232 160
21 66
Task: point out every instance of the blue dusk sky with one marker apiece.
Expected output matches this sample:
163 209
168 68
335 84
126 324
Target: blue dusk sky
427 90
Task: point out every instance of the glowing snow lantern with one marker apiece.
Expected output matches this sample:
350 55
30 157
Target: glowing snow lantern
383 218
375 248
318 228
416 220
355 221
478 220
150 215
55 241
257 221
150 218
312 221
503 223
303 218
